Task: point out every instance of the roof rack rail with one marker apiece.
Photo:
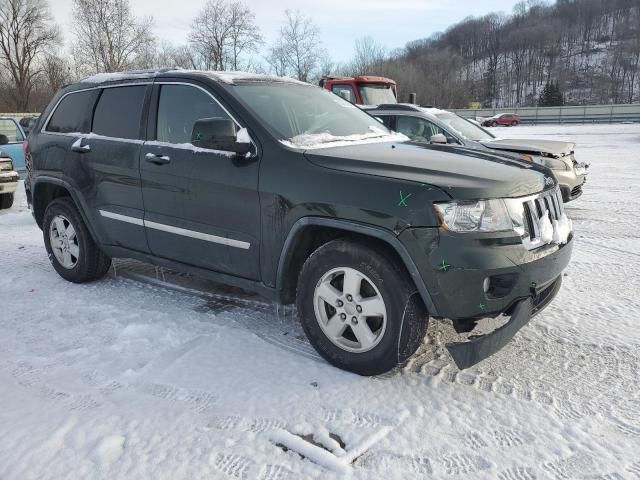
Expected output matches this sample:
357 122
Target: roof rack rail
409 107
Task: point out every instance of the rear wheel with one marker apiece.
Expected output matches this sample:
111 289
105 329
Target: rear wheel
359 308
514 123
72 251
6 201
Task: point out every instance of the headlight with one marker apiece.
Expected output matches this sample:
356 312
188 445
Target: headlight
475 216
553 164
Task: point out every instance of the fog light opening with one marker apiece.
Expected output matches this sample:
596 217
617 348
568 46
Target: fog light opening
486 284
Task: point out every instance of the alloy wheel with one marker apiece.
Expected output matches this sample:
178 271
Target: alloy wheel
350 310
64 242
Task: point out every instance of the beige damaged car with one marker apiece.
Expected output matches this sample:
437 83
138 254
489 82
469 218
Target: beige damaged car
440 126
553 154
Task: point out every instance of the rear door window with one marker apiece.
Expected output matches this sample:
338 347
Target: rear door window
119 112
73 114
178 109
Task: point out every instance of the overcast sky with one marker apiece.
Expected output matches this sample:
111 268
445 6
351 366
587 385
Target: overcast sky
392 22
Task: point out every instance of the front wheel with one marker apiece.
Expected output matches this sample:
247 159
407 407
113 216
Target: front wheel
359 308
72 251
6 201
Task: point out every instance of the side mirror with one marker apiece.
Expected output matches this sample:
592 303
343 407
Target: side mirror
438 138
220 134
4 139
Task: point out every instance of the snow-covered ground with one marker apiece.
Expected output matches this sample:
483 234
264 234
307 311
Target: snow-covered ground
149 374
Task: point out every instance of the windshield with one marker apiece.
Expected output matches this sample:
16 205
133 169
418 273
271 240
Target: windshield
464 127
9 128
376 93
307 116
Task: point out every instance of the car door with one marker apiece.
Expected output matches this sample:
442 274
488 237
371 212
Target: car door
113 152
201 206
103 165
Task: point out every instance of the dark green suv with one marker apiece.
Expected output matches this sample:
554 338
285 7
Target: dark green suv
285 189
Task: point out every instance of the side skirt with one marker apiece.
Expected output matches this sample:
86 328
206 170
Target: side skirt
243 283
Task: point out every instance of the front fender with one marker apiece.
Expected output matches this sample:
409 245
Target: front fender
363 229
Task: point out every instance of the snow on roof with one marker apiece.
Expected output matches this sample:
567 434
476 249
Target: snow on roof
233 77
116 76
230 77
432 110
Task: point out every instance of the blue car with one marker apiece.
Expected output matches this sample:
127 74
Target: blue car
11 138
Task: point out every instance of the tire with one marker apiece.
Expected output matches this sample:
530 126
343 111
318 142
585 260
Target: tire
398 331
6 201
494 124
514 124
87 262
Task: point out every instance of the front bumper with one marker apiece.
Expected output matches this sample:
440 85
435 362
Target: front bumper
478 347
9 182
475 276
570 183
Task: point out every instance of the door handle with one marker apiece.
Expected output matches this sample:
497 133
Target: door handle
78 147
157 158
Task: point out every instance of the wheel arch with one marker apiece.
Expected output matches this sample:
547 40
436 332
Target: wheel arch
309 233
47 189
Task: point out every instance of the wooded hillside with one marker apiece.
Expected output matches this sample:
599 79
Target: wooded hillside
591 48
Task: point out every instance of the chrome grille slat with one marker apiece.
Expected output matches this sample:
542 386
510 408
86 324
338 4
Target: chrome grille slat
532 210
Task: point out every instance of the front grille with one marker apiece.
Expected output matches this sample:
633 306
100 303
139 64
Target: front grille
548 203
576 190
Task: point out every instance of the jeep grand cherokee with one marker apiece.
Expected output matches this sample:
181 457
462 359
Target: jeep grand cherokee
285 189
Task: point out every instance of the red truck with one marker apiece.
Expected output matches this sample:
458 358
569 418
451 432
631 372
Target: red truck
363 89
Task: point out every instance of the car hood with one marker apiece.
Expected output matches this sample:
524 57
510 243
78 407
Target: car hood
550 147
463 173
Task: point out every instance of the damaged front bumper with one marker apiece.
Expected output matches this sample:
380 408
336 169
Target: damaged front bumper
477 280
478 347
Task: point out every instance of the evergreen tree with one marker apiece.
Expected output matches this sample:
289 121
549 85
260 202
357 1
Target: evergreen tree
551 96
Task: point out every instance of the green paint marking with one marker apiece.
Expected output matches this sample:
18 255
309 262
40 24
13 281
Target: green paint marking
482 305
403 199
444 266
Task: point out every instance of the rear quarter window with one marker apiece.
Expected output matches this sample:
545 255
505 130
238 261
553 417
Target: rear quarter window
73 113
119 112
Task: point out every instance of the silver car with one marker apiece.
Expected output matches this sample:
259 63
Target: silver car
432 125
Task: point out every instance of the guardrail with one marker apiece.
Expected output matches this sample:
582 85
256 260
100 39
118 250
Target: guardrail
568 114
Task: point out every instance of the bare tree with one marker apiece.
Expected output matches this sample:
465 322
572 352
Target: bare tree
56 72
26 32
109 38
298 48
222 32
169 56
245 35
368 54
277 59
